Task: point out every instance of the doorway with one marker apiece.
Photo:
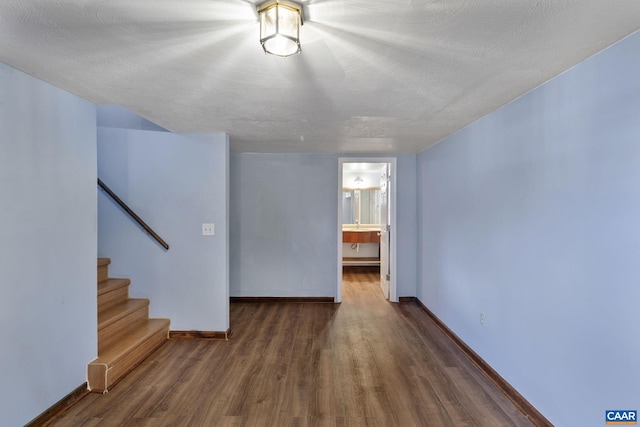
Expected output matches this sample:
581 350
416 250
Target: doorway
367 214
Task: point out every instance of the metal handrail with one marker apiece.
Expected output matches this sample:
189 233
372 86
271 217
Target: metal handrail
133 215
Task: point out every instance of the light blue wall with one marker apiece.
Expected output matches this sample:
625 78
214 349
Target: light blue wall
407 224
175 183
284 223
47 244
532 216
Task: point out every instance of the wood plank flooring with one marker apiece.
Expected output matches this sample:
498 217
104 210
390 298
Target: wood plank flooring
365 362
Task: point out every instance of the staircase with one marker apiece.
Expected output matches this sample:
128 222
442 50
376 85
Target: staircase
126 335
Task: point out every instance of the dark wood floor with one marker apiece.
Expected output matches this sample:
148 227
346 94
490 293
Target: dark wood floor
365 362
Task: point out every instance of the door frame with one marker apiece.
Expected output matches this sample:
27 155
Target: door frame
392 161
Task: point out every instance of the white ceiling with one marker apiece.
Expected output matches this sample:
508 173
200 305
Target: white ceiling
374 76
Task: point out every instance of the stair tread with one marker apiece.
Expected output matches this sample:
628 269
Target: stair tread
129 342
113 314
103 261
111 284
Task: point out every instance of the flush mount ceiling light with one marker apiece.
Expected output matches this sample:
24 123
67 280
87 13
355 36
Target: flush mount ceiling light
280 22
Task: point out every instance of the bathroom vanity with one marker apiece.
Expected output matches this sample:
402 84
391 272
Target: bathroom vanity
360 236
361 245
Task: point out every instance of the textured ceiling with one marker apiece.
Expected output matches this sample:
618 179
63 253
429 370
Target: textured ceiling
374 76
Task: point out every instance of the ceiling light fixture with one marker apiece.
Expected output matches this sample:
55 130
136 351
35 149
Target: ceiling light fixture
280 22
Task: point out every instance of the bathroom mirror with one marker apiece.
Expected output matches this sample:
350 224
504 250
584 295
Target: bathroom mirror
361 206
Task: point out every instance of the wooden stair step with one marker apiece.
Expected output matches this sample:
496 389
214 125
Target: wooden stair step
121 319
120 311
112 284
112 292
130 341
121 357
103 269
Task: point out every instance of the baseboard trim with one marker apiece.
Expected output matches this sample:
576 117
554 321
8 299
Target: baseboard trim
200 335
284 299
507 389
59 408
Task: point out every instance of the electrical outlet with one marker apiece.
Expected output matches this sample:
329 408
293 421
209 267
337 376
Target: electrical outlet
482 319
208 230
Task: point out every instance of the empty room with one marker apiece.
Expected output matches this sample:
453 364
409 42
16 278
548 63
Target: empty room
324 212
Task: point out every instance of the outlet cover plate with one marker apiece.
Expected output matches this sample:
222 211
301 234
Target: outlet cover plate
208 229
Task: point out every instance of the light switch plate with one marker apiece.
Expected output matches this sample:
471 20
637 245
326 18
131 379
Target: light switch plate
208 230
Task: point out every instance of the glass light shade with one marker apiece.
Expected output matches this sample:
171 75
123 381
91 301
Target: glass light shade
280 28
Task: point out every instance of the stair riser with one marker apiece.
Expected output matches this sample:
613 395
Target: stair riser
103 273
112 333
113 298
101 378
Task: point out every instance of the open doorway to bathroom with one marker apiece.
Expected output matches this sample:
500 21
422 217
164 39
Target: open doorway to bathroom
367 220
